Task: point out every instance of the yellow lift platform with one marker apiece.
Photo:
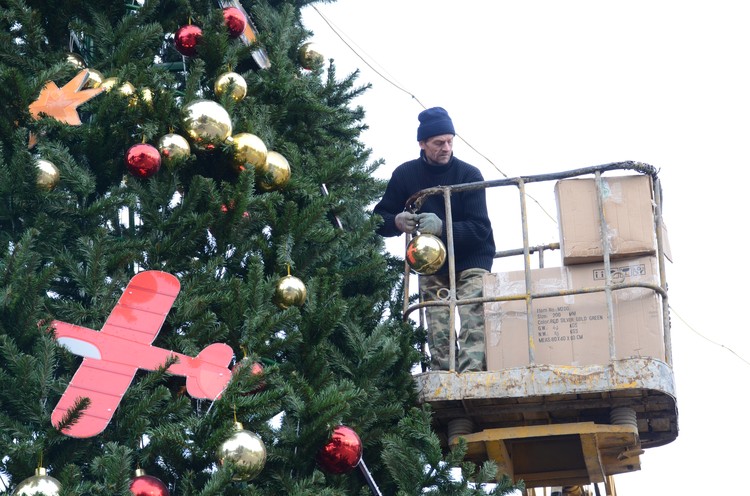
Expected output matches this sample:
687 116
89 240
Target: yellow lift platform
556 424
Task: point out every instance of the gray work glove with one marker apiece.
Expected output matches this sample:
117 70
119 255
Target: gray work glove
406 222
429 223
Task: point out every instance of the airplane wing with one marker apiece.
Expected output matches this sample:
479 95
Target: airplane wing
143 306
104 384
138 317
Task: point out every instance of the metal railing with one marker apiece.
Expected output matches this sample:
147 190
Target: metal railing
415 201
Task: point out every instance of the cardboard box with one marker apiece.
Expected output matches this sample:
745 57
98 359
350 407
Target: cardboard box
573 329
628 207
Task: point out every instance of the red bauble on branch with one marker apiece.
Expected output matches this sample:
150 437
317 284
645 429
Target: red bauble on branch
342 453
235 21
186 39
142 160
256 369
147 485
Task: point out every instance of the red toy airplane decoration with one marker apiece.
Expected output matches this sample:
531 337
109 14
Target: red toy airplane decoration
112 356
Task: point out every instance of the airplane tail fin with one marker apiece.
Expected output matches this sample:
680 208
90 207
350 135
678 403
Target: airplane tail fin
212 374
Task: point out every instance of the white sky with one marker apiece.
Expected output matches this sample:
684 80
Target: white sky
546 86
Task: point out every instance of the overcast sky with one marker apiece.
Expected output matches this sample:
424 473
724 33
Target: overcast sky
545 86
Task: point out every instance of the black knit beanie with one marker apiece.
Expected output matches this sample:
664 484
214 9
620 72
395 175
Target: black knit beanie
433 122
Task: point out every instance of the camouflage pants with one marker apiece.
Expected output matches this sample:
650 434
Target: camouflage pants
470 339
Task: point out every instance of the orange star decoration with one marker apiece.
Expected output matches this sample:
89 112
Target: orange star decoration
62 103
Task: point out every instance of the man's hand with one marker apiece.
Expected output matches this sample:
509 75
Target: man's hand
429 223
406 222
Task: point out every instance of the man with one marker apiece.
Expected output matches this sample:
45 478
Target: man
474 244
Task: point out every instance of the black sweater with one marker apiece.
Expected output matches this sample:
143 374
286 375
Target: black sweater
474 244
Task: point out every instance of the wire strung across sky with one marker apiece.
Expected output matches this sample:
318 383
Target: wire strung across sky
390 81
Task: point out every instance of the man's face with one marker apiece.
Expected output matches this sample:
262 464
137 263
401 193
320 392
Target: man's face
438 149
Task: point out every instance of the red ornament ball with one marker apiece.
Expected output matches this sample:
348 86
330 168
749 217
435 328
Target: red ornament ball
256 369
186 39
342 453
148 485
142 160
235 21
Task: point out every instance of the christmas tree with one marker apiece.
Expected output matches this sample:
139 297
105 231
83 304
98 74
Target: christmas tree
185 179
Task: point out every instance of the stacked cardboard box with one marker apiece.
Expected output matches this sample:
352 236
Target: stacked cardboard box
628 215
574 329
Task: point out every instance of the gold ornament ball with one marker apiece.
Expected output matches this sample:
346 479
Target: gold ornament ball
425 254
231 81
94 80
126 89
246 451
275 172
146 96
207 124
290 291
310 56
48 175
75 60
174 149
248 149
39 483
110 83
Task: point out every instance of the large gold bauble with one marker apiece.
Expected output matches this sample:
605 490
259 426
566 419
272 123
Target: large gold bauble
145 95
207 124
246 451
248 150
109 84
275 172
174 149
94 80
425 254
290 291
310 56
76 60
39 483
48 175
126 89
231 80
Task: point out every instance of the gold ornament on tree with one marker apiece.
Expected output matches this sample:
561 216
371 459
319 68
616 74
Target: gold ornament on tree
145 95
126 89
290 291
109 84
39 483
275 172
233 82
95 79
310 56
425 254
76 60
207 124
174 149
248 149
48 175
245 451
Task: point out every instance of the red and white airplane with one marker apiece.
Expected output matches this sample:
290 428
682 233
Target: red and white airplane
113 355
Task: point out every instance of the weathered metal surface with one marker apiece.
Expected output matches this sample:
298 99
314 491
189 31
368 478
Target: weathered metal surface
544 380
544 394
